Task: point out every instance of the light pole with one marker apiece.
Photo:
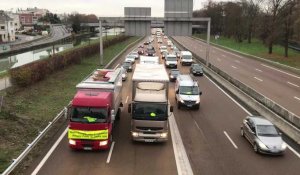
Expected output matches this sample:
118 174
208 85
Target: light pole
101 43
208 44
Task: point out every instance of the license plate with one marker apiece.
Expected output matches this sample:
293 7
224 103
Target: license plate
87 148
189 105
149 140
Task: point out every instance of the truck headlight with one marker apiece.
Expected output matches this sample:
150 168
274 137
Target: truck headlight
135 134
103 143
164 135
194 71
181 100
123 75
171 76
198 100
130 67
72 142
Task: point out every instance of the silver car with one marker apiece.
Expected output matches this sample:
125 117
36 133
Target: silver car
263 135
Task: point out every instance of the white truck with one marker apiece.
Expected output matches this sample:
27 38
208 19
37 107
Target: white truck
186 58
171 61
187 92
149 60
94 109
149 107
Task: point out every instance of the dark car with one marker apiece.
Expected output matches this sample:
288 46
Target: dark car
196 69
127 66
141 46
150 51
146 42
173 74
141 51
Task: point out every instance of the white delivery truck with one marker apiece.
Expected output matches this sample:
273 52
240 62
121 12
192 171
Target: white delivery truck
171 61
186 58
149 107
187 92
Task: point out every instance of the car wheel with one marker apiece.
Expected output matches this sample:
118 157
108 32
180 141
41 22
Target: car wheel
242 132
255 148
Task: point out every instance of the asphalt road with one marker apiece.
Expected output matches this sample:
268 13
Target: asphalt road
280 86
211 137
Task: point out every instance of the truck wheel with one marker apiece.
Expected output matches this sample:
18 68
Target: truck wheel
118 114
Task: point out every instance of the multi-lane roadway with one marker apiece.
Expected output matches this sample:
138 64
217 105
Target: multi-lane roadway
210 135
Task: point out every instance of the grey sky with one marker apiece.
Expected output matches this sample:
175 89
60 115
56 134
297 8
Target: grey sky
97 7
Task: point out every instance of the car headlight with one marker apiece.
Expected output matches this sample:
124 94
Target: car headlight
130 67
123 75
72 142
164 135
194 71
103 143
167 63
171 76
283 146
198 100
181 100
135 134
262 146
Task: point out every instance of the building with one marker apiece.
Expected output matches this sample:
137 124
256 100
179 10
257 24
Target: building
16 20
30 16
7 30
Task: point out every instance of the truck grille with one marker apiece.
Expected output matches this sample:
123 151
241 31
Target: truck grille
149 128
189 102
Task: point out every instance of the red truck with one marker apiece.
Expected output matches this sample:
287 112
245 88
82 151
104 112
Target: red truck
94 109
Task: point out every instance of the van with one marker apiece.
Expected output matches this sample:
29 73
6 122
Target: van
186 58
187 92
171 61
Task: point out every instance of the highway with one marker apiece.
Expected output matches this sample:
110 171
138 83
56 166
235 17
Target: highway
280 86
211 137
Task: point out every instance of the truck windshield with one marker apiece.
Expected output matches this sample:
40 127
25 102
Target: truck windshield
189 90
188 57
89 115
171 59
149 111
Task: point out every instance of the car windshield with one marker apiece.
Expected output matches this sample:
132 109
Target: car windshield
188 57
150 111
266 130
89 115
197 67
175 72
171 59
126 64
130 56
189 90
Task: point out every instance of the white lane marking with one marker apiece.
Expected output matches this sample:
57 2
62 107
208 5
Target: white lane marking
280 71
218 59
234 145
258 70
249 113
223 55
197 124
292 84
294 151
110 152
258 79
126 100
228 52
237 61
234 67
182 162
229 96
37 169
116 66
297 98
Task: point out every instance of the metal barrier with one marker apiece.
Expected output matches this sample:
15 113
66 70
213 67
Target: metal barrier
58 116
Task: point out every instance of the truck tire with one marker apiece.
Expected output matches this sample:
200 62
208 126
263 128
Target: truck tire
118 114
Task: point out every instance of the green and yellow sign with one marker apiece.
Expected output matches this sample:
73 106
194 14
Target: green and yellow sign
89 135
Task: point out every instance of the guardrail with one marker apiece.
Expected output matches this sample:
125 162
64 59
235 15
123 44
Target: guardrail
31 145
281 117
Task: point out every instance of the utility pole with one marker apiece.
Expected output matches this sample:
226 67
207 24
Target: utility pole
207 42
101 43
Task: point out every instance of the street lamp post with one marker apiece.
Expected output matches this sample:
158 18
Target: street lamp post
208 44
101 43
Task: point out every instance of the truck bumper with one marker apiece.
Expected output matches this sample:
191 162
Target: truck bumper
89 144
149 137
189 105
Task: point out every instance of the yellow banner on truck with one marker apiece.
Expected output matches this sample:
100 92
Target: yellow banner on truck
89 135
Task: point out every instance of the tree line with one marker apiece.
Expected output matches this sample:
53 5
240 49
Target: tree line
271 21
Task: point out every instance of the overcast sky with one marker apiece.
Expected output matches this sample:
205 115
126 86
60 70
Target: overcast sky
98 7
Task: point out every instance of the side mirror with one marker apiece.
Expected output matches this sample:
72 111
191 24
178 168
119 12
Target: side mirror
177 91
171 108
200 93
129 108
113 115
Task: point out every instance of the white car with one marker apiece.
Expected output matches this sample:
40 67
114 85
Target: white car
135 53
163 49
130 58
169 42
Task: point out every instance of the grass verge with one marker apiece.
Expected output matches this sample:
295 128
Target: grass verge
28 110
257 48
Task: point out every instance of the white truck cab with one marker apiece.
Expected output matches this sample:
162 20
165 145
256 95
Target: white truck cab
171 61
187 92
186 58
